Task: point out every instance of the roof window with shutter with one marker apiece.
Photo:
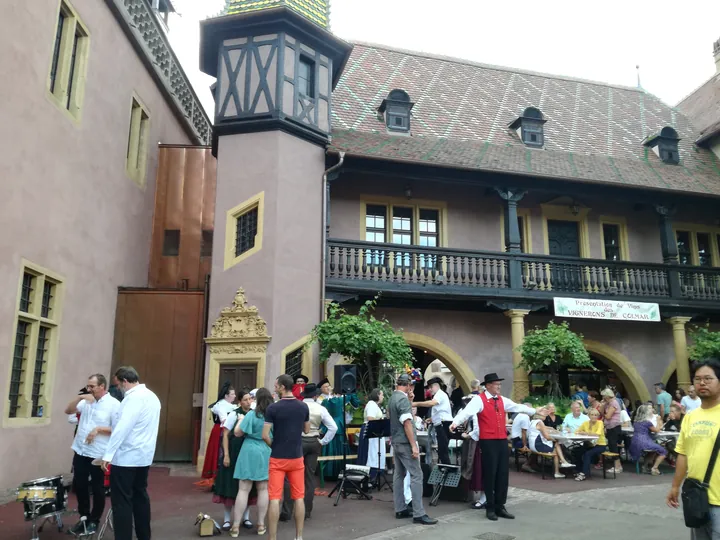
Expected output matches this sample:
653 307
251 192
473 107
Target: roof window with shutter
395 110
529 127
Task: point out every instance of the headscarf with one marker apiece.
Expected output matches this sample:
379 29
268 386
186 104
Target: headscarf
222 393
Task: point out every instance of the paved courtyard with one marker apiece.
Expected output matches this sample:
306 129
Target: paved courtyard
631 507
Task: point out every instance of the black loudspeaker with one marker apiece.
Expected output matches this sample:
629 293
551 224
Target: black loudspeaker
345 378
461 493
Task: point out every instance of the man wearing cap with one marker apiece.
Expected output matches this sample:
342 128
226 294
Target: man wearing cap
407 454
490 408
439 415
299 386
312 444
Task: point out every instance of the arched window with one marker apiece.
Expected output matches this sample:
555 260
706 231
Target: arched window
396 108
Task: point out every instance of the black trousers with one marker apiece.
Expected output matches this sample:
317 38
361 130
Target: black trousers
85 475
495 471
443 441
130 502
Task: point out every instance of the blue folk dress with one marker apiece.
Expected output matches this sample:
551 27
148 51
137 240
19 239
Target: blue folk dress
254 459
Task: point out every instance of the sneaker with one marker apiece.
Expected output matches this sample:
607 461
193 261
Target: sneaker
566 465
559 475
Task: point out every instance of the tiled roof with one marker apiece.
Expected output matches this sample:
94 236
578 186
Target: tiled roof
702 106
594 131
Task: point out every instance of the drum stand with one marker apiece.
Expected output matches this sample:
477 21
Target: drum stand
108 522
55 516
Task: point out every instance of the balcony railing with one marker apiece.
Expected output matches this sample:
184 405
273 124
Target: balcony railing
420 266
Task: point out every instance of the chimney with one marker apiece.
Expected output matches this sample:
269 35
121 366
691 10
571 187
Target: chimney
716 54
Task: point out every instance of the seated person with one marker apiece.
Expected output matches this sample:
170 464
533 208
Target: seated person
642 440
519 438
593 426
674 420
539 437
552 420
575 418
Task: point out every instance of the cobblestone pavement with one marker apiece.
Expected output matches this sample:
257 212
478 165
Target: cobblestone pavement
636 513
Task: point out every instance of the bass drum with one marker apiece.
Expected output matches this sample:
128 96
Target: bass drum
53 485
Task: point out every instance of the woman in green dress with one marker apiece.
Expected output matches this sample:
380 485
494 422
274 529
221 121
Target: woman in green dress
334 405
225 488
253 462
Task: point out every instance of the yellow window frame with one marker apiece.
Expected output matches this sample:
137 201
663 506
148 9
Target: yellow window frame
36 320
693 229
621 224
232 215
306 366
416 205
138 141
72 25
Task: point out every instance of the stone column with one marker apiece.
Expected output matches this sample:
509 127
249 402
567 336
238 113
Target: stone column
681 350
521 383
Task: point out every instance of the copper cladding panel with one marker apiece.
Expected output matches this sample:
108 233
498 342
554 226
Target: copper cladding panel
185 200
159 333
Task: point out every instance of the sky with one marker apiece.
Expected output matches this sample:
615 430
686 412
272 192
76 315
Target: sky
671 41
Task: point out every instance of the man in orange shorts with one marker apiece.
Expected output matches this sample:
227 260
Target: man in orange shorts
288 418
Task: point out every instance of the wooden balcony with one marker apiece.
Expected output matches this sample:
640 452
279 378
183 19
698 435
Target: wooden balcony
355 266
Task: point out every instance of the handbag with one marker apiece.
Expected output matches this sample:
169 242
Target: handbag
696 506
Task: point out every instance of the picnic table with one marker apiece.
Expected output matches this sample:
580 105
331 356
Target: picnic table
573 437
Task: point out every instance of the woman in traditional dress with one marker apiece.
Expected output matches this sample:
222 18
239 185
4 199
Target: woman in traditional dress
471 464
220 409
334 405
225 489
252 465
369 448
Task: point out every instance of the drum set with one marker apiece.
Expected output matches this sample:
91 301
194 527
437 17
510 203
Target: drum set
44 499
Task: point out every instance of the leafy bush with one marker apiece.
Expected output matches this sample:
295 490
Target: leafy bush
372 344
552 348
706 344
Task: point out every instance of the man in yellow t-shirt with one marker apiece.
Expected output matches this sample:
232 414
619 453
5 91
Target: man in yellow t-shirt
697 437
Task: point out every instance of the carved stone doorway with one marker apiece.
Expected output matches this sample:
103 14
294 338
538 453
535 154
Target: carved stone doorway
238 338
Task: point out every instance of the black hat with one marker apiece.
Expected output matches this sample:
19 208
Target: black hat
435 380
311 390
491 377
303 377
324 381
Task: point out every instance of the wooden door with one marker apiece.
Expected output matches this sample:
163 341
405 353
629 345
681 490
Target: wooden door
241 376
563 238
160 334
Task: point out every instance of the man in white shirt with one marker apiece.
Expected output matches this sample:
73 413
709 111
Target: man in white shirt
490 408
312 442
98 412
441 412
690 402
131 450
575 418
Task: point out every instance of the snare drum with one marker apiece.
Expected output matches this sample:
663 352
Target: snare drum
42 496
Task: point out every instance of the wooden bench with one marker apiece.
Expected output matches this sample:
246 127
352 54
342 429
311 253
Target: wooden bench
544 457
612 456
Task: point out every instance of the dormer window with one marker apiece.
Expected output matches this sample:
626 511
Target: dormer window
396 107
162 9
529 127
665 145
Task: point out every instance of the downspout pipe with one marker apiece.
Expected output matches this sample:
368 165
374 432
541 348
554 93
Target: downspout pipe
326 227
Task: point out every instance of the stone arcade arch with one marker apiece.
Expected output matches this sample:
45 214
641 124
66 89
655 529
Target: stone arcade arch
623 368
459 368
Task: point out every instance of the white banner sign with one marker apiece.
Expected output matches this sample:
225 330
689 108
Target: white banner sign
610 310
